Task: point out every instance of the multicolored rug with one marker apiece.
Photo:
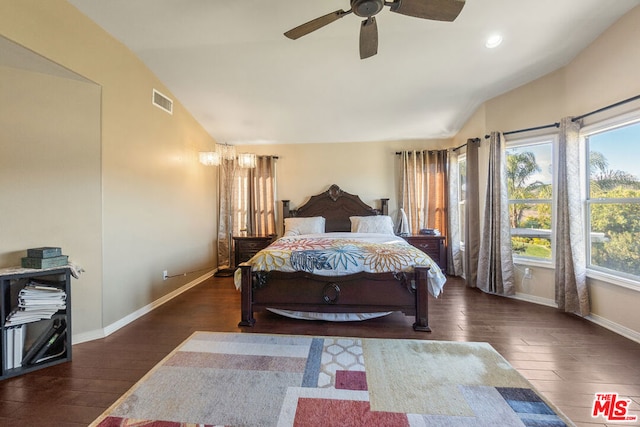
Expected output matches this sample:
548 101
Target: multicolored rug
278 380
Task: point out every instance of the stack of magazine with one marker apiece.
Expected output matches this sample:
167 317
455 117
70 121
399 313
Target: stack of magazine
37 301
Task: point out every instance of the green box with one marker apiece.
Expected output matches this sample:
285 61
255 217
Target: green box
56 261
44 252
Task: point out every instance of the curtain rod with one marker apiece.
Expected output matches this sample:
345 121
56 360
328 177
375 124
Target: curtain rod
551 125
608 107
617 104
430 151
465 144
457 148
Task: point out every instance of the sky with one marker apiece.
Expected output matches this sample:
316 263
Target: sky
621 147
543 154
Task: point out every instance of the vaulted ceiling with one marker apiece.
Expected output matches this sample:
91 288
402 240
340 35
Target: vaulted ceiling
230 65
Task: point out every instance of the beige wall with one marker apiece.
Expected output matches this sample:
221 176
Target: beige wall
50 183
604 73
368 169
142 203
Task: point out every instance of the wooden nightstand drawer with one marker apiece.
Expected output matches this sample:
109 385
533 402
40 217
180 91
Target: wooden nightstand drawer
247 246
253 245
434 246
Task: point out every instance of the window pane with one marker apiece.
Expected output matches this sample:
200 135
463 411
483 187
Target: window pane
614 206
613 162
463 223
462 178
529 182
529 171
462 196
531 235
615 236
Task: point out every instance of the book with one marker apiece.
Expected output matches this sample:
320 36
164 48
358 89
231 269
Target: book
44 252
56 261
8 348
44 341
55 348
18 345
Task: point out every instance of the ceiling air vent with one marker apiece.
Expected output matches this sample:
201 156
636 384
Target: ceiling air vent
161 101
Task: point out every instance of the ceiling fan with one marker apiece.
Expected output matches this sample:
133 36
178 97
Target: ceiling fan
438 10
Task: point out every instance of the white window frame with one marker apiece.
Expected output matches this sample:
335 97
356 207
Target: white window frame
531 141
594 271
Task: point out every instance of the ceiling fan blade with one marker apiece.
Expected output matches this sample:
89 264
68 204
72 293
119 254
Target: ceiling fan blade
315 24
368 38
438 10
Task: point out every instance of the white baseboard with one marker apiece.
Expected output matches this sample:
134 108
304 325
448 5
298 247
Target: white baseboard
598 320
615 327
108 330
536 300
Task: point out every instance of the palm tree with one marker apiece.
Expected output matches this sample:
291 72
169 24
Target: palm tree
603 179
520 168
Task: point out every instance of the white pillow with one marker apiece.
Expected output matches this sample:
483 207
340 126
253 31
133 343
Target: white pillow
297 226
372 224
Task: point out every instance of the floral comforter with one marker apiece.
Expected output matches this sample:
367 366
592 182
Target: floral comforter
337 254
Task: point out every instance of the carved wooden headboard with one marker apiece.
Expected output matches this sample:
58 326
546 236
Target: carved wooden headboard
336 206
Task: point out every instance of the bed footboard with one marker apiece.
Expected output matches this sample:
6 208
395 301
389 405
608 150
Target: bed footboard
358 293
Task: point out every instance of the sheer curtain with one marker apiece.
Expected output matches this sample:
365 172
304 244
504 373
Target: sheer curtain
246 202
495 263
570 273
454 255
472 216
413 189
262 197
226 196
424 192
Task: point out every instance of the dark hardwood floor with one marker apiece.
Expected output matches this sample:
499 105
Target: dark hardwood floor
567 358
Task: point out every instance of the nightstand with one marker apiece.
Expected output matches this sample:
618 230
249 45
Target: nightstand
434 246
247 246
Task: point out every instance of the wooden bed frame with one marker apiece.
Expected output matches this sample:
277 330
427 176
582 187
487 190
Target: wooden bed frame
354 293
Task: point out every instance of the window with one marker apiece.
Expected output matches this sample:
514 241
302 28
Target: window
462 196
529 185
613 197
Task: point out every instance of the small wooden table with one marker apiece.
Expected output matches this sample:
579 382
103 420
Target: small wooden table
434 246
247 246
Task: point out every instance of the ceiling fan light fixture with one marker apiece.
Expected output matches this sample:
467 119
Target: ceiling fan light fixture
493 41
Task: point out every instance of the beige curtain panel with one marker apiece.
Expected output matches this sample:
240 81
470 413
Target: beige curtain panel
425 190
472 216
495 262
454 254
571 273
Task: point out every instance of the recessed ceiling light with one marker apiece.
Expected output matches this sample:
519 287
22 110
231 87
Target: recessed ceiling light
493 41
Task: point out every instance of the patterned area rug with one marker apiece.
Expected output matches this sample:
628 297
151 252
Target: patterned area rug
278 380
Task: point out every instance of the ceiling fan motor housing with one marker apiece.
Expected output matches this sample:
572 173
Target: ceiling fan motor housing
366 8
